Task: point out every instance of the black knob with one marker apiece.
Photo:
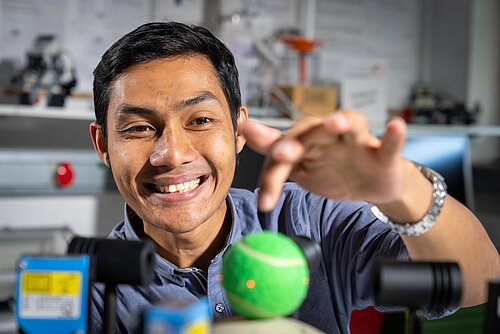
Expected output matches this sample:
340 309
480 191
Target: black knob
311 250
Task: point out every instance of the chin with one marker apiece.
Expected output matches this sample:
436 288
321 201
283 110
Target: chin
176 227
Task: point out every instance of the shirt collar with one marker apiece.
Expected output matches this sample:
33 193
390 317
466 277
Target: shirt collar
133 222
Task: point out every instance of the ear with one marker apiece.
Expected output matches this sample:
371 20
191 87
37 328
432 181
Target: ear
97 135
240 139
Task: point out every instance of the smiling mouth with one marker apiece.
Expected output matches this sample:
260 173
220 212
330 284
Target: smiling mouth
179 187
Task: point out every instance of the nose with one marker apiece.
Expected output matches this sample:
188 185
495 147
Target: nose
172 149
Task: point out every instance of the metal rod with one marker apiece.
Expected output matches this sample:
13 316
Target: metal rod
109 317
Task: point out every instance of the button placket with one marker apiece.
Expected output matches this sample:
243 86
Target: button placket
219 308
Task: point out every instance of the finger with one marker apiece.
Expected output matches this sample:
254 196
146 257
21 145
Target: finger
337 123
351 126
308 130
276 170
304 125
260 137
273 176
393 139
287 150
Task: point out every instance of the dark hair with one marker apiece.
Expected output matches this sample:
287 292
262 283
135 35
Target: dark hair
162 40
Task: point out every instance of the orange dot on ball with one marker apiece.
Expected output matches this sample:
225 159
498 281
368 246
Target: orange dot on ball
250 284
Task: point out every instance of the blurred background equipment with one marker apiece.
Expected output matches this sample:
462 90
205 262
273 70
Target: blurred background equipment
304 48
301 83
47 172
451 157
49 71
13 243
428 106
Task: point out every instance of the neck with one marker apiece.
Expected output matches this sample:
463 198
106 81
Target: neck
195 248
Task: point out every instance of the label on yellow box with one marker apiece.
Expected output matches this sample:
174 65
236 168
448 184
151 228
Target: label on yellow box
52 294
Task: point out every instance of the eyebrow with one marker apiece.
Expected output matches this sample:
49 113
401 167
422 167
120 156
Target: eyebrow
134 110
203 97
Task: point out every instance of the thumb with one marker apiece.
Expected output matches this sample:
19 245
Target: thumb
393 139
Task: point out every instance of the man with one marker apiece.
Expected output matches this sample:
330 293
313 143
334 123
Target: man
169 125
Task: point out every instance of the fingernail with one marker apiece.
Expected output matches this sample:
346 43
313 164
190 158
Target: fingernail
339 118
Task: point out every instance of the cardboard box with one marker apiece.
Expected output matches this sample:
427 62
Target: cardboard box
312 100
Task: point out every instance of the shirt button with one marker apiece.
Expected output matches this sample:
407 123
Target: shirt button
219 308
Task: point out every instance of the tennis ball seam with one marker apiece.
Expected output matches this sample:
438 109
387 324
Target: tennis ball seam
242 303
271 260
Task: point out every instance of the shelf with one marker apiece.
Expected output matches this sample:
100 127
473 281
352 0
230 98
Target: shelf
471 130
83 111
71 112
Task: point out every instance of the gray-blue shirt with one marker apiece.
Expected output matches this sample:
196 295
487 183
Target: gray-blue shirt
350 236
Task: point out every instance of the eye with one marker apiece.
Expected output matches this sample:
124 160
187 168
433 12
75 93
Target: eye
141 128
201 121
139 131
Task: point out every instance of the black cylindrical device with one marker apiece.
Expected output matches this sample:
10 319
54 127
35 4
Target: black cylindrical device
311 250
417 284
118 261
492 322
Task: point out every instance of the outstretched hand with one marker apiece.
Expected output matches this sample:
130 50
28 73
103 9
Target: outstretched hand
335 157
339 158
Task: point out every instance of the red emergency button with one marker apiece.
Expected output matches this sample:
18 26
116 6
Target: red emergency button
64 174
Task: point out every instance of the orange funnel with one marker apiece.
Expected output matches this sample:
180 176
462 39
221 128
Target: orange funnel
303 46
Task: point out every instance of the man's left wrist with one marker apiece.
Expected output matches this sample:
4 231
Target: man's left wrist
427 221
413 202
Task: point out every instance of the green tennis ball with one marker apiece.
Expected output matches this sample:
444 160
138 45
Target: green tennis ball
265 275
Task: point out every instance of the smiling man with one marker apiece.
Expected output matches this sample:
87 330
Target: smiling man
172 149
169 124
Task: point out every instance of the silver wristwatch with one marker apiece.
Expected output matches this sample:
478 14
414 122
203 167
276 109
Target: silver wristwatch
419 228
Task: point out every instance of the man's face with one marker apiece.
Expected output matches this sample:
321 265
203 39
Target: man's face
171 143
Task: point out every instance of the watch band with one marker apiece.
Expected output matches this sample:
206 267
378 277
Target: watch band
438 196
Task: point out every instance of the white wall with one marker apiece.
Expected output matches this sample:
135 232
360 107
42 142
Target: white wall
462 60
379 30
450 39
483 73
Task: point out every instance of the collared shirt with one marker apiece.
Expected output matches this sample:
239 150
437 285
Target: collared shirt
351 240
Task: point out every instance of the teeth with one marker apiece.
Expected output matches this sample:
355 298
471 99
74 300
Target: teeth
180 188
